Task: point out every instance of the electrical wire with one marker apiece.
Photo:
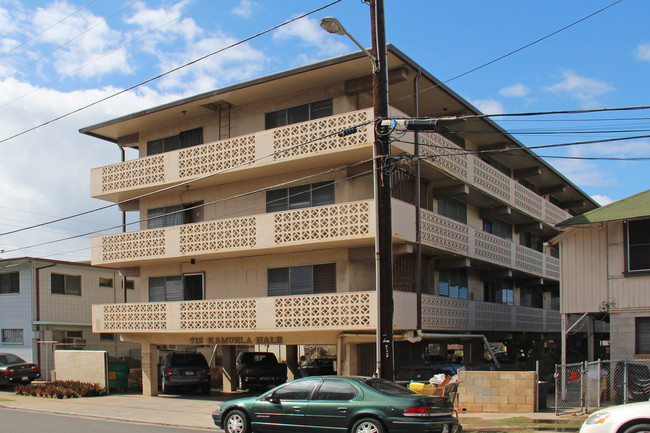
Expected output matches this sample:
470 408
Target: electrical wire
189 182
185 65
45 30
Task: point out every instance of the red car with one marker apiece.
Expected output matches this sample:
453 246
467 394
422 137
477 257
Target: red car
15 371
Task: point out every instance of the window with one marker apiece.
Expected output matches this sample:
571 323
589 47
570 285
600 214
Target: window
71 339
12 336
531 297
104 336
296 391
302 280
530 240
454 209
176 288
336 390
9 283
192 137
499 291
130 285
498 228
297 197
452 283
176 215
66 284
105 282
300 113
642 335
638 245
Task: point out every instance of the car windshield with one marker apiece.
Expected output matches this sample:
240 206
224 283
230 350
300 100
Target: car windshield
188 360
387 387
8 359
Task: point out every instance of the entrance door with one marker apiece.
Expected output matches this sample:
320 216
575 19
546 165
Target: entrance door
193 287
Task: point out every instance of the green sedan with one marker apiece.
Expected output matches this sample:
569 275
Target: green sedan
338 404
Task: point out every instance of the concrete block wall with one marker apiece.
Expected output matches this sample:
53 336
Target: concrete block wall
497 391
90 366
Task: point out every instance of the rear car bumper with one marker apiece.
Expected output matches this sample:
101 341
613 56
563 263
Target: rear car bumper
424 425
17 379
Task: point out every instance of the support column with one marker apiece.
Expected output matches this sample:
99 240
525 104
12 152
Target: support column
230 379
473 353
292 362
149 369
591 340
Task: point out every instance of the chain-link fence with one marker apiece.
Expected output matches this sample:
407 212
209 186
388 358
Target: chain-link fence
579 387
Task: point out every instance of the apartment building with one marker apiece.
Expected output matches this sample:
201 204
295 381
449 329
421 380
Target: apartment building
258 221
46 304
605 277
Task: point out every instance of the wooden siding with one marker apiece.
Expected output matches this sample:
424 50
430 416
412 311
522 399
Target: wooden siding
584 270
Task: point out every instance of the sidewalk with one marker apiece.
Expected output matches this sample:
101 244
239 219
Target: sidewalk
195 411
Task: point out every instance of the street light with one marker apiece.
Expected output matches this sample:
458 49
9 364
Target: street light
333 26
382 184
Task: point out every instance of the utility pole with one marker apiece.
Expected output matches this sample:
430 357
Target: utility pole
382 163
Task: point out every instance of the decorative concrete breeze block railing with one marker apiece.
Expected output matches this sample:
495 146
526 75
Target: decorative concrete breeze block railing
337 222
471 170
247 151
444 313
444 233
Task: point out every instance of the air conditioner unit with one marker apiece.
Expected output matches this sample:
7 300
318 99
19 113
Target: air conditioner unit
78 341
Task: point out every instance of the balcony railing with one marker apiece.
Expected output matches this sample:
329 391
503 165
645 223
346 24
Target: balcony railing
288 143
348 224
348 311
442 313
335 311
456 162
449 235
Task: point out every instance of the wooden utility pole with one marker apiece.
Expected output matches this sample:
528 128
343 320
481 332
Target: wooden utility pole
382 164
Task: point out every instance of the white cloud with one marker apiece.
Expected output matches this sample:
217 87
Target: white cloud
488 106
585 90
621 149
514 91
245 8
602 200
309 32
584 173
643 52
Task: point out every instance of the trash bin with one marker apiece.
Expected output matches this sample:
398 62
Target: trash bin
118 374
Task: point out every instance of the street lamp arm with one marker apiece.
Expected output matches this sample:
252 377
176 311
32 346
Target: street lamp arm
332 25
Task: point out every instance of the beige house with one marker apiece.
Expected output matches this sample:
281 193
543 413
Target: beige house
606 275
46 304
258 221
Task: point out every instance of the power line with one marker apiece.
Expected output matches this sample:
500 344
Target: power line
105 54
158 191
169 72
45 30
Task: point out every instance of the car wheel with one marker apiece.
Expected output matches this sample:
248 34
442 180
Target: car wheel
368 425
236 422
638 428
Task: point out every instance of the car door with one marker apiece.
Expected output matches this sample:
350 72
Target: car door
283 410
331 406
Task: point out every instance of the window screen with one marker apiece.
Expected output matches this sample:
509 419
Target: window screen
638 245
9 283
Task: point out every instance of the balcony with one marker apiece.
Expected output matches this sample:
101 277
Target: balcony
336 312
441 313
457 163
347 224
449 235
279 150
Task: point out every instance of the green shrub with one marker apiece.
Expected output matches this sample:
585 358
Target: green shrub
62 389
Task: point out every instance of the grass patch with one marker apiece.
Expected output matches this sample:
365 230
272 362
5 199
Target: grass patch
5 399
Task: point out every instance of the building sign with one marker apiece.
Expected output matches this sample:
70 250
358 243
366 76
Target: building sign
236 340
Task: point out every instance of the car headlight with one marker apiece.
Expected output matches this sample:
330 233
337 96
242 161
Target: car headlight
597 418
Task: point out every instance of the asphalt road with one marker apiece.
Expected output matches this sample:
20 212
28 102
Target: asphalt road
21 421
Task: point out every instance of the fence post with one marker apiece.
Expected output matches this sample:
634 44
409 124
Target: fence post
625 381
600 377
583 386
557 387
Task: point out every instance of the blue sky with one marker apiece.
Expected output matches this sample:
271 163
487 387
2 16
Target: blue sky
56 57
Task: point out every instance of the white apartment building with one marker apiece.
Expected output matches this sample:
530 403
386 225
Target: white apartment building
258 221
46 304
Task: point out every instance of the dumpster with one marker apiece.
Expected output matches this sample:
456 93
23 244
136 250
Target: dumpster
118 374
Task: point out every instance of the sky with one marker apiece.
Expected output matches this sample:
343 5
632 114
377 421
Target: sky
61 56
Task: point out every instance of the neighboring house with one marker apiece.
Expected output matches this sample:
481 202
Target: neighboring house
259 221
606 275
46 304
